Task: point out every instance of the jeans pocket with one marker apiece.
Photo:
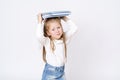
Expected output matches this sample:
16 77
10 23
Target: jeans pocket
51 71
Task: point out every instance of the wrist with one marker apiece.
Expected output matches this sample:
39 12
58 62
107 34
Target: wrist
65 19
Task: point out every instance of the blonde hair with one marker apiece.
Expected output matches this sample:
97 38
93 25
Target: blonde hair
45 29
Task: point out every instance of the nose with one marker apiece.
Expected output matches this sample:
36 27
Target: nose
57 30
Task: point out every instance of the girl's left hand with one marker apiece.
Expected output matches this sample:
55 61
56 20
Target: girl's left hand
65 18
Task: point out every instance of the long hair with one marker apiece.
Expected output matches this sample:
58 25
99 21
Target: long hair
45 29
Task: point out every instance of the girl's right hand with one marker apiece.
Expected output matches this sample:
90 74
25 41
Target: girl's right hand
39 18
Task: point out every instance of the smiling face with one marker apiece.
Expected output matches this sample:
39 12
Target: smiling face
54 29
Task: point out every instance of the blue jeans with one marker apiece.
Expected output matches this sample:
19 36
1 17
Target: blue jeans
53 73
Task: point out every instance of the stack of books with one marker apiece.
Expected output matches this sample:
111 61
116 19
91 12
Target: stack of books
55 14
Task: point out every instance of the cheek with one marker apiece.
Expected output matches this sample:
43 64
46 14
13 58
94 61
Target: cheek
51 33
48 33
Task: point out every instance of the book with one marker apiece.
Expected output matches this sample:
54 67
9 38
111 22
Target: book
55 14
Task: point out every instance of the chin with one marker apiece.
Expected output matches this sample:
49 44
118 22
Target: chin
60 37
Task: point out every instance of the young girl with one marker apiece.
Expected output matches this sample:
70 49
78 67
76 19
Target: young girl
54 40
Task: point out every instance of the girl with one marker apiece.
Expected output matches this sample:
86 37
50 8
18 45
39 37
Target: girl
54 40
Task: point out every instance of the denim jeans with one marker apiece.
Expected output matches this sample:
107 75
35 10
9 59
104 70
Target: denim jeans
53 73
55 14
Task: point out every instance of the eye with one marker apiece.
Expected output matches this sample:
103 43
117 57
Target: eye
53 29
58 27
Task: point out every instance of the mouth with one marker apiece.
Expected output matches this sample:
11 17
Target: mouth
58 34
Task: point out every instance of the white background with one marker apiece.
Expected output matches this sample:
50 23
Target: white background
93 54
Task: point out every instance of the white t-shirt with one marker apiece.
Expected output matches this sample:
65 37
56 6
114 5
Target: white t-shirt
58 57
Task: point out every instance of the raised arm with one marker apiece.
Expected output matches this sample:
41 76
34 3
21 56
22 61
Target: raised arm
72 28
39 30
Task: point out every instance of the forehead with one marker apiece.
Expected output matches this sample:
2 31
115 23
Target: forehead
53 23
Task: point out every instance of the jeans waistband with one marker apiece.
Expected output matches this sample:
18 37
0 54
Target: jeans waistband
56 67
